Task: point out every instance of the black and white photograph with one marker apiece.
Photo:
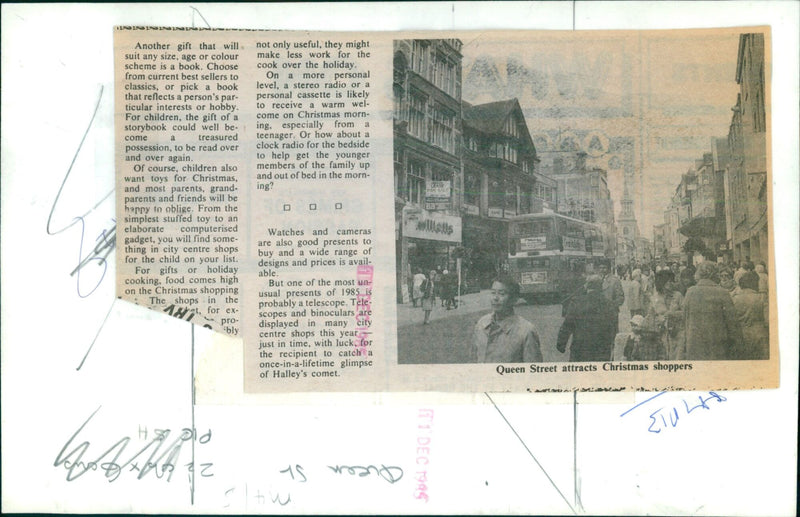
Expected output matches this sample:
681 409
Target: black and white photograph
572 199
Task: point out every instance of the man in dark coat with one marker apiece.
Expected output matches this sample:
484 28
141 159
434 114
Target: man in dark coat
591 320
612 289
712 330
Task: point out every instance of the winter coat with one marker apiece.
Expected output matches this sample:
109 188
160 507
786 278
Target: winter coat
633 296
749 308
591 321
712 330
612 289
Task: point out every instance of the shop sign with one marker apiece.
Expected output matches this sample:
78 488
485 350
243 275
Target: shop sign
436 205
495 212
437 189
510 213
538 242
421 224
471 209
533 277
573 244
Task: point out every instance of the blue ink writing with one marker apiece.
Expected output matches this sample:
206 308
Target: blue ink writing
107 242
668 416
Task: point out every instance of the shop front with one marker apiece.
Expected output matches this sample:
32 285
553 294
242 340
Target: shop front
427 242
486 245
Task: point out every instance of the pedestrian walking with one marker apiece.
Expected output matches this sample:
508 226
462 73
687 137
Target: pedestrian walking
665 314
503 336
625 342
591 321
648 283
712 330
416 288
437 282
448 289
726 279
749 308
428 288
612 290
739 272
640 344
685 279
633 294
763 288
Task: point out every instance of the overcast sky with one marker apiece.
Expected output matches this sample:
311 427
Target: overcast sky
647 103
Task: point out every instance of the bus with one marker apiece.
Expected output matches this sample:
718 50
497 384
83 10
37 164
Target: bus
550 254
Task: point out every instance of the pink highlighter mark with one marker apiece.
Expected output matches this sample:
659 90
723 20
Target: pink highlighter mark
363 308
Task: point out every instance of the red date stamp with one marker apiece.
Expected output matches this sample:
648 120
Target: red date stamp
423 450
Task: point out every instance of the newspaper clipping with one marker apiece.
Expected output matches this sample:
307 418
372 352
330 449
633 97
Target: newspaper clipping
493 211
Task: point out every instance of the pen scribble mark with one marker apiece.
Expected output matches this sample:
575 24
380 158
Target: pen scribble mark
643 402
297 468
96 335
69 170
107 242
198 13
277 499
576 482
165 461
101 250
391 474
530 453
658 421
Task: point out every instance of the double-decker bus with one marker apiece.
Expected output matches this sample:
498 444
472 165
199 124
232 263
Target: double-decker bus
550 254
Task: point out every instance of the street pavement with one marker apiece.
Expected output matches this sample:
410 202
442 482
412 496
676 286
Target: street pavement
448 335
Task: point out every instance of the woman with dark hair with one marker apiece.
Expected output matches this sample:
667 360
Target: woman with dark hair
685 280
665 315
749 307
428 289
